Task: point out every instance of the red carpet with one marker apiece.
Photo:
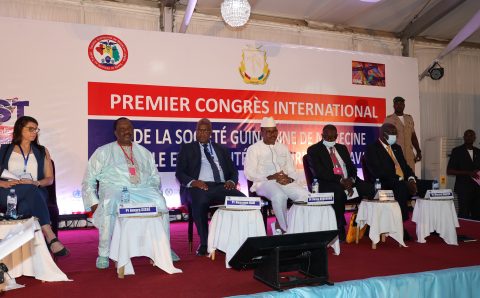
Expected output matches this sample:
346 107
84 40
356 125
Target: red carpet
205 278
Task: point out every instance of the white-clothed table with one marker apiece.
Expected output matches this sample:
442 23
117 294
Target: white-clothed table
31 259
383 217
310 218
229 228
141 237
436 215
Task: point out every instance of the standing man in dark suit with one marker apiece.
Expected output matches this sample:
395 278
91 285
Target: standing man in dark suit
207 174
464 163
335 171
385 161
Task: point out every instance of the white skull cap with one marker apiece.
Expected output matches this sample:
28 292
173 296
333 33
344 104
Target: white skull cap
268 122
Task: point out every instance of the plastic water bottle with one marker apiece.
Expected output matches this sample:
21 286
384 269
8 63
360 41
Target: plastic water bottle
12 204
125 196
378 185
435 185
315 186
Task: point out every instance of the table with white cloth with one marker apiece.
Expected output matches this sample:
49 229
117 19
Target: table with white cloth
384 219
229 228
436 215
33 258
141 237
303 218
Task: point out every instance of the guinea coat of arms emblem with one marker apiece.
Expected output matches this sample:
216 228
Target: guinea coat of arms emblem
254 67
108 52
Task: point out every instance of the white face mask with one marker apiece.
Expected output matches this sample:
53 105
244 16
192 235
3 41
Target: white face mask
329 144
391 139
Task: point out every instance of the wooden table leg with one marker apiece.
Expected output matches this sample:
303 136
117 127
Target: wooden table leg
121 272
384 237
212 255
357 234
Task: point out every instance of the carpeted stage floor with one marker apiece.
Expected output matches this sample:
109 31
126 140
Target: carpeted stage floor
202 277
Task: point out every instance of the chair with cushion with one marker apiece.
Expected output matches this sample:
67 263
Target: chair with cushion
308 171
52 203
309 174
265 208
366 174
185 202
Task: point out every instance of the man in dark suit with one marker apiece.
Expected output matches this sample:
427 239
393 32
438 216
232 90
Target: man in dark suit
335 172
385 161
206 174
464 163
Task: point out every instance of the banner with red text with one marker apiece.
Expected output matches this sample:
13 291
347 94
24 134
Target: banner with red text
77 79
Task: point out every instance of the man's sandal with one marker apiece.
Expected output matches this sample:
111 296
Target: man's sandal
102 262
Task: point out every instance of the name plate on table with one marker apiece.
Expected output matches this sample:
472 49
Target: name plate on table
242 203
321 198
384 195
136 209
439 194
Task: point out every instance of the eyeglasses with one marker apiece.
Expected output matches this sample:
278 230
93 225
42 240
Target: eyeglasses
33 129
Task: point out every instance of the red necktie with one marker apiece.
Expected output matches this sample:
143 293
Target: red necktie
337 168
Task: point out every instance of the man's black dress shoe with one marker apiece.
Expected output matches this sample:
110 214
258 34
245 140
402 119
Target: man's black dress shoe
202 250
406 236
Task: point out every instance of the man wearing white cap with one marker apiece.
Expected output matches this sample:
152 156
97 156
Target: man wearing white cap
270 167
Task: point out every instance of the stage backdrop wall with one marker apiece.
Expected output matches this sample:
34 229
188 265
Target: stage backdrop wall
75 79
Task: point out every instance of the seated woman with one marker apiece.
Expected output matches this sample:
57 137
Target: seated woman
31 162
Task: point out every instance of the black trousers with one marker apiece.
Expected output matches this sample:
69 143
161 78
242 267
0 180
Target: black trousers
31 200
469 201
201 200
401 193
365 189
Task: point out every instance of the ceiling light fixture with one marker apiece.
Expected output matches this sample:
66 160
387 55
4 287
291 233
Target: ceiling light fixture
235 12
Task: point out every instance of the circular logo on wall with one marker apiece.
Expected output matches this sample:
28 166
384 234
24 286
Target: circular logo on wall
108 52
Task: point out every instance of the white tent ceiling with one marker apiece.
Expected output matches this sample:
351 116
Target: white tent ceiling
391 16
385 16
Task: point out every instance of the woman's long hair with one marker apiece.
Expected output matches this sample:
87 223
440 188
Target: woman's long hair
17 129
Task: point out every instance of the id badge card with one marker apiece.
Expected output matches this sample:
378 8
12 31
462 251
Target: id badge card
132 171
26 176
337 171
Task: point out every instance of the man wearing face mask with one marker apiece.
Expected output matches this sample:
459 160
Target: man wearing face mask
385 161
335 171
270 167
